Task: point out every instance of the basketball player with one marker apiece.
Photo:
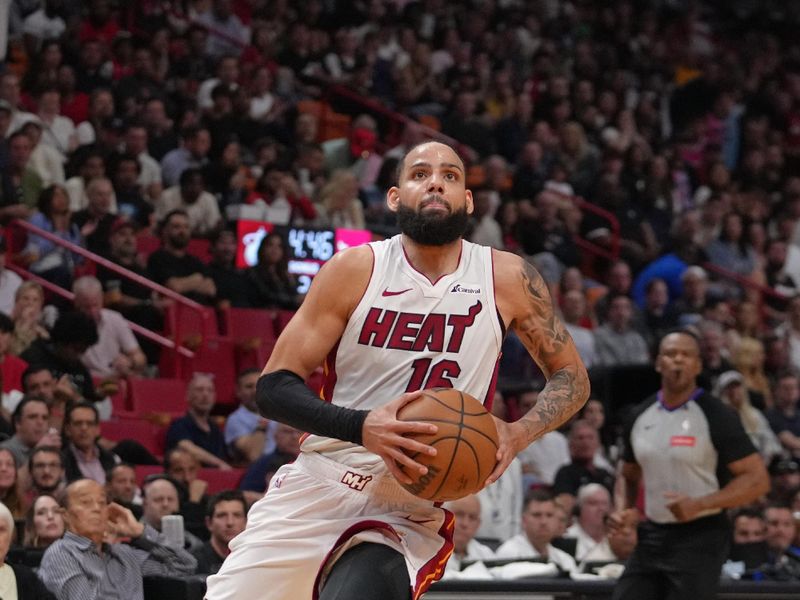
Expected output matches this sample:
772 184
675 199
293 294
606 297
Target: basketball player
422 309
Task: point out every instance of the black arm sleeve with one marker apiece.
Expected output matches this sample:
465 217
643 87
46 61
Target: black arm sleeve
283 396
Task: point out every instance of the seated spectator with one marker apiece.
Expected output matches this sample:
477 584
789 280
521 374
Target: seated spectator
59 131
45 160
47 259
132 300
486 230
173 267
182 467
83 456
116 353
9 484
467 514
195 432
193 154
17 581
9 282
131 200
11 367
81 565
29 317
694 294
538 530
749 526
781 531
248 435
31 429
231 282
159 499
191 196
271 283
99 215
282 198
616 341
339 205
258 475
150 171
594 505
784 417
542 460
44 523
730 389
574 311
121 488
20 186
46 471
38 381
73 334
226 517
501 504
92 165
584 441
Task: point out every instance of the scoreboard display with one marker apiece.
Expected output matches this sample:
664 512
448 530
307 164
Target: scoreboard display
309 247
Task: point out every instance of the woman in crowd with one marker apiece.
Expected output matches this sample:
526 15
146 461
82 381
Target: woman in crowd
29 317
338 204
748 358
9 484
17 581
45 258
730 389
44 523
272 286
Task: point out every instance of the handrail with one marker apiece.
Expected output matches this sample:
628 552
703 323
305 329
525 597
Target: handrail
135 327
179 299
744 281
608 216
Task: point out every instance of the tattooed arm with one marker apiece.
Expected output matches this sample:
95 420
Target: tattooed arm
525 305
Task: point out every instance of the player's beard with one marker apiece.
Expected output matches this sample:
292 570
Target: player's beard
433 228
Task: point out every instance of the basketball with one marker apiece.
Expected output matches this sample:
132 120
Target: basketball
466 444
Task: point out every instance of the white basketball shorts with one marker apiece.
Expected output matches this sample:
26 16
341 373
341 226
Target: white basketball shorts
316 509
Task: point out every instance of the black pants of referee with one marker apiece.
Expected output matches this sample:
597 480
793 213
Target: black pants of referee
676 561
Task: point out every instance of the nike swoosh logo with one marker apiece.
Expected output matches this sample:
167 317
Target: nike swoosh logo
386 292
646 427
420 521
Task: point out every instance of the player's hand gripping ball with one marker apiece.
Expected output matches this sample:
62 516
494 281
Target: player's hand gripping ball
466 444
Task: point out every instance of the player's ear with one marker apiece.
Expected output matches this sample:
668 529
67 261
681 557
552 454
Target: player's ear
470 204
393 198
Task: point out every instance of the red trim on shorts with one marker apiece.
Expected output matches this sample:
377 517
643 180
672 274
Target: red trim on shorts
329 373
434 569
489 399
410 264
349 533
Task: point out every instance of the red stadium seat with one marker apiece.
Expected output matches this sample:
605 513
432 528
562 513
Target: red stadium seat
282 318
253 333
149 435
146 244
149 396
216 357
142 471
219 480
200 248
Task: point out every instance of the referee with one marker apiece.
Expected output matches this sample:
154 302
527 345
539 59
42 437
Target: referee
692 456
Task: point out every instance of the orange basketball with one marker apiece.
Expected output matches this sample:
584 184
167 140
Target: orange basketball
466 444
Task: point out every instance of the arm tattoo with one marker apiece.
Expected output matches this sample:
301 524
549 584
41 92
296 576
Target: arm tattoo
545 337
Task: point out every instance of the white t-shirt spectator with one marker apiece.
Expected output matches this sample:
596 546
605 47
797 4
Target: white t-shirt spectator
520 547
9 283
40 26
203 214
114 338
59 134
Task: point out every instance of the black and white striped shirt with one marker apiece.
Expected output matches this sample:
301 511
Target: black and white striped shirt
73 569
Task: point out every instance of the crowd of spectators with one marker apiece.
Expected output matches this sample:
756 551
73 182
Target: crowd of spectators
165 122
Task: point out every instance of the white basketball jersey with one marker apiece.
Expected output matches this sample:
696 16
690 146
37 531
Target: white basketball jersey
408 333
